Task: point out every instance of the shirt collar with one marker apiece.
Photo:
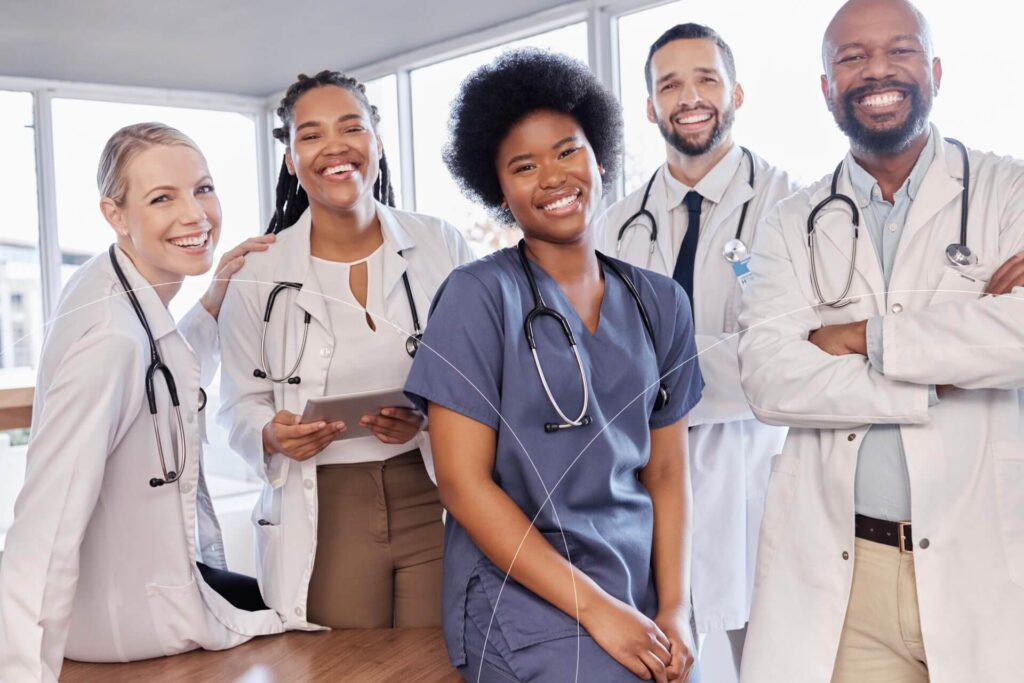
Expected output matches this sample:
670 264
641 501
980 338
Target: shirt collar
866 189
711 187
161 322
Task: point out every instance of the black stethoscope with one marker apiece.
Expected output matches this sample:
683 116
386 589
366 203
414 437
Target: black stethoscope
412 343
540 308
156 364
958 253
734 251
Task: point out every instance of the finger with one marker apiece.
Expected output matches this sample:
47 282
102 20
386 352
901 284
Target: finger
664 641
413 417
655 666
1004 273
387 424
316 447
638 668
1013 277
393 435
299 432
328 431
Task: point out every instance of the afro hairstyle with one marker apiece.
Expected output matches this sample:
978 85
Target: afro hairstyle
497 96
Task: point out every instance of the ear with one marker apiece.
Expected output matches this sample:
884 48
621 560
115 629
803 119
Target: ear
600 169
114 215
824 91
936 73
288 161
651 116
380 148
737 96
504 203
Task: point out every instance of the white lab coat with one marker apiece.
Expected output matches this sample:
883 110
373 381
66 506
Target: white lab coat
285 517
99 565
965 455
730 451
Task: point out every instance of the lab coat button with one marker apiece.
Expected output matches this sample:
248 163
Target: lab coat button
846 555
892 227
851 437
298 611
897 308
309 484
190 418
923 544
326 351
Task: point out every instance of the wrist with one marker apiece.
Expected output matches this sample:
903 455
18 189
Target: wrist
207 302
591 601
859 338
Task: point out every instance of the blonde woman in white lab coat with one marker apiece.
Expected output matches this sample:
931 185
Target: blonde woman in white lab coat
103 562
349 532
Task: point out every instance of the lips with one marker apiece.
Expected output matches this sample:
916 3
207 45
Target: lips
693 117
338 169
197 240
563 202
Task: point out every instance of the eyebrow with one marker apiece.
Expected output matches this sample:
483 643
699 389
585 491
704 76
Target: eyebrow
524 157
699 69
894 39
172 188
313 124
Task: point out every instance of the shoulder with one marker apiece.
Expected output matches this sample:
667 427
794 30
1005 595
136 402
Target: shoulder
992 167
655 290
492 272
93 300
425 228
775 180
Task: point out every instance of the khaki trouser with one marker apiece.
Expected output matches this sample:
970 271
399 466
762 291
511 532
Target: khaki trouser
881 640
379 539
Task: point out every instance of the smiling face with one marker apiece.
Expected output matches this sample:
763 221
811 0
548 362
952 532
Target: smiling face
880 76
169 219
333 148
692 99
549 176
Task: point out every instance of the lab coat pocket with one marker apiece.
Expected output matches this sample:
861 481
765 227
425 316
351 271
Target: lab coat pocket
777 511
179 616
960 283
268 562
1008 465
526 619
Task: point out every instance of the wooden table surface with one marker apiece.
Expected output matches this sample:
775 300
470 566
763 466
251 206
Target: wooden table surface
357 656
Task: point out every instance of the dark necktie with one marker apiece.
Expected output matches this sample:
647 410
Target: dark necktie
683 273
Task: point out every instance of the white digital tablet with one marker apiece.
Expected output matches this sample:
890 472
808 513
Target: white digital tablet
350 408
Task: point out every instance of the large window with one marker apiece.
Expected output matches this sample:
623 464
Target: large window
228 140
21 302
433 88
778 58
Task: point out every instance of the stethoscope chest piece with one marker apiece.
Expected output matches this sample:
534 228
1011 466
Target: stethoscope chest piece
961 255
412 344
735 251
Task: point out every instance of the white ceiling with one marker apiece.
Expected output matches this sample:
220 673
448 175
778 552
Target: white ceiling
245 47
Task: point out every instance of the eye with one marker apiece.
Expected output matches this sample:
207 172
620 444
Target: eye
206 188
355 129
709 79
160 199
849 58
523 168
310 136
903 51
668 86
566 152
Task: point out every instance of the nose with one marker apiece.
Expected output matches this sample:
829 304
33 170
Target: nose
689 95
194 213
334 143
552 176
878 67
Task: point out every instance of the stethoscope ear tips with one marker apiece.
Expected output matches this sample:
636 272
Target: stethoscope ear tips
293 380
154 482
259 373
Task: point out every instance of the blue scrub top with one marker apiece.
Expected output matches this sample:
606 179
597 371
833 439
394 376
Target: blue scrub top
475 361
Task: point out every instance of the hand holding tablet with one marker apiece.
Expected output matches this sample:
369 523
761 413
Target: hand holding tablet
353 408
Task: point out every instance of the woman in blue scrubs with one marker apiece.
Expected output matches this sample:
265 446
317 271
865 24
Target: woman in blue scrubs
566 486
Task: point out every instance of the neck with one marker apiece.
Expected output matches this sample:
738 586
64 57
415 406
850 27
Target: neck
345 234
568 263
165 283
690 170
891 170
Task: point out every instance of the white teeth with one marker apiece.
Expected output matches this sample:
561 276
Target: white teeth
340 168
196 241
693 118
561 203
883 100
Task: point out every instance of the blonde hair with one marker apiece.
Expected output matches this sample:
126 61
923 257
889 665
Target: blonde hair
126 144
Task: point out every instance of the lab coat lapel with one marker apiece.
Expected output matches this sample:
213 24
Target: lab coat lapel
942 184
396 241
160 321
834 226
726 215
294 266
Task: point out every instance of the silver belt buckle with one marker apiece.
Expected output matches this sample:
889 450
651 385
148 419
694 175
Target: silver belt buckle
900 526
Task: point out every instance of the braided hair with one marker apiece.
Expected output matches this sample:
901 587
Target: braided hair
291 200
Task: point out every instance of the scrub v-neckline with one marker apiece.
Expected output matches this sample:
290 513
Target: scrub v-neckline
601 313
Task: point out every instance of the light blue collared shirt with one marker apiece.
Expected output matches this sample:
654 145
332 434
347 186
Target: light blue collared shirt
882 486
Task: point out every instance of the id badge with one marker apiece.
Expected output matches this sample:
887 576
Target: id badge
742 271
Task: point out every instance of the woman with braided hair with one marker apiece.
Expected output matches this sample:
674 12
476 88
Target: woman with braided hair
349 531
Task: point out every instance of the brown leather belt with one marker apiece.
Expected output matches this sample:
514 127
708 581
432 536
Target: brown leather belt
896 534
